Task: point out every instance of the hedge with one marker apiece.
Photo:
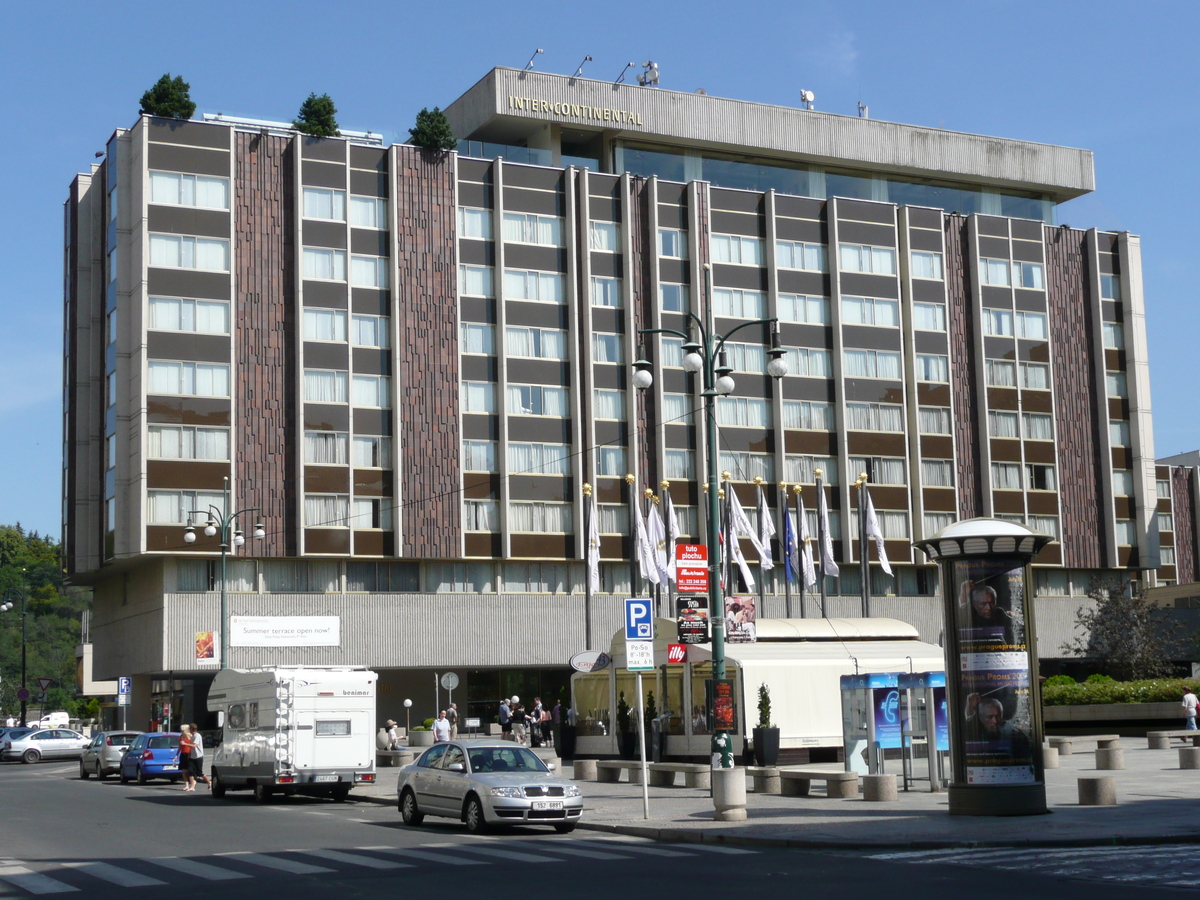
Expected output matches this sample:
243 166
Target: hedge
1154 690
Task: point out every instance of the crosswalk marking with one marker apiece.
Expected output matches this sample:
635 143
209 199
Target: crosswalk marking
557 847
198 869
358 859
35 883
283 864
721 848
637 848
512 855
114 874
427 857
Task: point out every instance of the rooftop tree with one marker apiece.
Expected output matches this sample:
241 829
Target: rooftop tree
432 131
169 98
316 117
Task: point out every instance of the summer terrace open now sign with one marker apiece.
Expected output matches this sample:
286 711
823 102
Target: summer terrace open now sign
285 631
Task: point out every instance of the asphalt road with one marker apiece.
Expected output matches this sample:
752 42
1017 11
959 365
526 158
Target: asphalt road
60 835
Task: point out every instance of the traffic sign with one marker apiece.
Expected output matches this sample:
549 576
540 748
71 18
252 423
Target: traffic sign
639 656
123 699
124 686
44 683
691 568
450 681
676 653
23 694
639 619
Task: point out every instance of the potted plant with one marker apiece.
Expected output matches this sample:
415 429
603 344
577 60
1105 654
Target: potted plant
766 735
421 735
626 739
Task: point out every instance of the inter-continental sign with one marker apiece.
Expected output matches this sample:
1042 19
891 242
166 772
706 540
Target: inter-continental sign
575 110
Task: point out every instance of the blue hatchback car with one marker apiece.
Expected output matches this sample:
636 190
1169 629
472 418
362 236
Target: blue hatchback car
151 755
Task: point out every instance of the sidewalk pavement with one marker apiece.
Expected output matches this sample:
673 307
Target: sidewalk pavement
1157 802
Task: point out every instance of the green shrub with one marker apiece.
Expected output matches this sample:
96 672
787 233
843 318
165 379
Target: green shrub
1054 680
428 723
764 706
1152 690
169 98
623 723
419 728
1097 678
432 131
317 117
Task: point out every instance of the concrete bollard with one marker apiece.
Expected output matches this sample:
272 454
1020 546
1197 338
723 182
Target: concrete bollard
766 781
1110 758
1064 748
1158 741
879 788
585 770
1189 757
1098 791
1049 757
729 795
404 758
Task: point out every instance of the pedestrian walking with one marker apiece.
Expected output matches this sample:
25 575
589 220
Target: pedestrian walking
196 759
185 755
520 722
535 723
1189 708
452 718
505 720
441 728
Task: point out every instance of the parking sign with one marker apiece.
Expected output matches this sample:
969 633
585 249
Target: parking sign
639 619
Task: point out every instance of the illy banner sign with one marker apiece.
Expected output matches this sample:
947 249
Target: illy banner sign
691 568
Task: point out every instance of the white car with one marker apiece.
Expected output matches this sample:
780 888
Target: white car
49 743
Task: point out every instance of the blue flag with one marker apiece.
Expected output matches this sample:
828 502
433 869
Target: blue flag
789 546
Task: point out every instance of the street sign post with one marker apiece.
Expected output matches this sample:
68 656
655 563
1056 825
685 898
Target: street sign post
691 568
639 619
124 693
639 658
23 694
450 682
44 683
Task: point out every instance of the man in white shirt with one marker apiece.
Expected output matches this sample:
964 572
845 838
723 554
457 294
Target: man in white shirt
1189 708
441 728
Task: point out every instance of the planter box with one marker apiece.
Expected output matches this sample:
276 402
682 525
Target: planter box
1112 712
420 739
766 746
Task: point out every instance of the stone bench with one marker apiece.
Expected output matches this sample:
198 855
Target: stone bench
608 771
839 784
695 775
1064 743
765 778
1161 740
393 757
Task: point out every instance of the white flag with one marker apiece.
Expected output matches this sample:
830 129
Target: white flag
645 551
741 524
766 531
732 510
672 537
593 548
658 540
873 531
806 556
828 566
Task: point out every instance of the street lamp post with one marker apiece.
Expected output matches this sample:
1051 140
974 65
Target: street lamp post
5 607
221 521
704 353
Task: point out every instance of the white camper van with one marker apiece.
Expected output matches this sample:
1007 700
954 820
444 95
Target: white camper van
294 730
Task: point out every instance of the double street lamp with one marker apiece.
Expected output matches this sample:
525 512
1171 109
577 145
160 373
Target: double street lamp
5 607
221 523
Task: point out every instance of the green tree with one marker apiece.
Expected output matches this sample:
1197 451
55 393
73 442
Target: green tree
432 131
1125 632
316 117
170 98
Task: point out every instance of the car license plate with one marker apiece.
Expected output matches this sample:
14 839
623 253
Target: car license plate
325 778
547 804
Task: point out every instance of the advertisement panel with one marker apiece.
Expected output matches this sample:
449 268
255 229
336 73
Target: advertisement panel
741 620
691 615
724 709
691 568
206 648
886 704
284 631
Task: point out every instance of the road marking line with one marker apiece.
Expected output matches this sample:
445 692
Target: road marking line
355 859
514 855
638 848
199 869
713 848
32 881
114 874
428 857
272 862
557 847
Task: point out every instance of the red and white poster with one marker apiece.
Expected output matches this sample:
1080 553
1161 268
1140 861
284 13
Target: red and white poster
691 568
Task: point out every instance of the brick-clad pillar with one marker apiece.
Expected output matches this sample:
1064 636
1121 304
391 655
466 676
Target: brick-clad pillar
969 428
1182 492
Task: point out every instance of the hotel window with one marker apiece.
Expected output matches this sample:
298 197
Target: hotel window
874 417
369 271
608 404
369 331
1166 556
745 466
612 518
175 189
474 223
893 525
835 529
188 379
1006 476
882 469
1002 424
747 357
541 578
795 255
998 322
526 228
369 212
1032 326
995 271
733 248
802 469
1052 583
372 452
177 252
326 510
324 325
604 236
673 297
929 317
859 258
1126 532
539 459
324 203
870 311
688 519
478 339
479 456
543 287
608 348
1166 521
1037 426
475 281
926 265
933 420
170 314
371 513
176 507
372 390
801 308
1044 524
324 265
1040 478
536 343
743 412
1035 376
110 388
933 368
1123 482
610 462
606 291
1000 373
808 415
937 473
537 400
871 364
1118 433
1110 287
1028 275
110 324
1162 488
680 464
187 442
1114 336
677 408
325 386
481 515
326 448
935 522
540 518
739 304
1116 384
672 352
478 397
672 243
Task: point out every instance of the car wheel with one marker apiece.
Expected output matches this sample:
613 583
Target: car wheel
122 777
408 809
100 773
262 793
564 827
218 786
473 816
340 793
141 776
83 772
30 756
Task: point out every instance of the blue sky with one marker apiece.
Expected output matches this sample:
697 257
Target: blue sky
1113 78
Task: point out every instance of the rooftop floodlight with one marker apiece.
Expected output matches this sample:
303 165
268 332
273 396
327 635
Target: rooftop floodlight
621 77
724 384
643 376
807 98
579 71
778 366
189 535
529 65
649 77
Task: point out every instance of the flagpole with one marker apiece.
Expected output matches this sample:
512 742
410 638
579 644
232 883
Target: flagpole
762 588
820 541
635 583
665 487
787 557
648 494
800 549
587 561
864 564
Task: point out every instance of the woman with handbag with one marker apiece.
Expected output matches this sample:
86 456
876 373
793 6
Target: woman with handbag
185 755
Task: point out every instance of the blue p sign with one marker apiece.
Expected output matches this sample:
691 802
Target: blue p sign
124 685
639 619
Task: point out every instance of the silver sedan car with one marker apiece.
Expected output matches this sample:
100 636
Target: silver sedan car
48 743
102 757
484 783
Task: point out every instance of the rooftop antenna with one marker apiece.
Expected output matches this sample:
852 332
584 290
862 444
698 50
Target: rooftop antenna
864 111
529 65
807 98
579 71
621 77
649 78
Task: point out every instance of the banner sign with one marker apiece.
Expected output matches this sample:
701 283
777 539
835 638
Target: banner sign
676 653
691 568
886 703
691 615
284 631
724 709
206 648
741 620
590 661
